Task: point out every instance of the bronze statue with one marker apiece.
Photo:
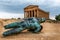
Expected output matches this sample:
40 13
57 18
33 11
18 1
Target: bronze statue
31 24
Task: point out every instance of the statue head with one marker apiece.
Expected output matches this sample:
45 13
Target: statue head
41 20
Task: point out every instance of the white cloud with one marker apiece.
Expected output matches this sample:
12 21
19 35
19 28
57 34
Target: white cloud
51 17
54 2
50 2
38 2
33 1
11 15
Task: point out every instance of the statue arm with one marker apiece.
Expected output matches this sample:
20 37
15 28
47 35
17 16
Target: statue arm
38 28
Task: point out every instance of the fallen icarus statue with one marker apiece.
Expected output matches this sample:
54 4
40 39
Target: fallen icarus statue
31 24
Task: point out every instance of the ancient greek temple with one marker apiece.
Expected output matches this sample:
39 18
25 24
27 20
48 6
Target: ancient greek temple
34 11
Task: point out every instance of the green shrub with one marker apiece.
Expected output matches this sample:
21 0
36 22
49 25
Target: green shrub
57 17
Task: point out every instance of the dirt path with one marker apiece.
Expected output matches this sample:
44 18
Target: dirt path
50 31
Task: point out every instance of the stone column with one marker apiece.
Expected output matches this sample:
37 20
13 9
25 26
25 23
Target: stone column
28 14
35 13
25 14
39 14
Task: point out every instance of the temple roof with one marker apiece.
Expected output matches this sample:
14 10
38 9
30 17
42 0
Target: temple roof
31 6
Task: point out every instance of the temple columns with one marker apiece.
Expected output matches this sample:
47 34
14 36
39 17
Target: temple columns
31 13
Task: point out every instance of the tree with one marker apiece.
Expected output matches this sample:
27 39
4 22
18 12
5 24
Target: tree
19 18
57 17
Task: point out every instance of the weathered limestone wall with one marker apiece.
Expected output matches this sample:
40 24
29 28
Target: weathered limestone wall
43 14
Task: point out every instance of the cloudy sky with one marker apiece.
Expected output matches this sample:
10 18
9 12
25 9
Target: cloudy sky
14 8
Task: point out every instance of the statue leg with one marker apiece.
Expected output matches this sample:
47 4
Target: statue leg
11 25
12 31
